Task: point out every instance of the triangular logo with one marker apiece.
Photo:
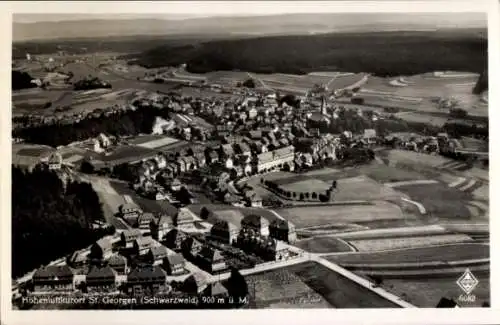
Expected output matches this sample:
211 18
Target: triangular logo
467 282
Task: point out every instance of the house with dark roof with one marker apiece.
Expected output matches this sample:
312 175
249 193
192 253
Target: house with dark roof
174 264
252 199
156 255
191 246
146 280
174 239
242 148
101 279
130 213
102 249
224 231
216 290
55 161
159 226
52 278
283 230
212 260
128 237
256 223
118 263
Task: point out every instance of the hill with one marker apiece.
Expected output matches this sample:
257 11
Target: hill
380 53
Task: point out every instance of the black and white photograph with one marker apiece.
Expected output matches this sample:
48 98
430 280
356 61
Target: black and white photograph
262 160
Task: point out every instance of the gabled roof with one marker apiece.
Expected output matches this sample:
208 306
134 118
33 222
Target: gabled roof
191 242
128 205
162 219
146 272
131 234
199 278
146 242
227 149
158 252
104 272
254 221
215 289
222 225
146 217
210 254
78 257
117 260
174 259
53 272
104 243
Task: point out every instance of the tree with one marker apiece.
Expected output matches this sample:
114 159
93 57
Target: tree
249 83
314 195
204 213
334 184
237 286
87 168
301 196
184 196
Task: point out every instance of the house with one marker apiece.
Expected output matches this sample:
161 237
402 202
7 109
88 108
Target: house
128 237
243 149
256 223
213 157
156 255
228 163
142 245
130 213
252 113
370 136
144 222
176 185
224 231
191 247
174 239
195 283
230 198
159 226
159 195
283 230
276 159
118 263
102 249
161 161
181 164
212 260
252 199
277 250
174 264
146 280
200 159
55 161
216 290
184 216
226 151
53 278
101 279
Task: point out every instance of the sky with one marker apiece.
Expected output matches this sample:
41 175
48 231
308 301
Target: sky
60 11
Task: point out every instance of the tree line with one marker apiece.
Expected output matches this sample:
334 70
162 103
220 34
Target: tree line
50 218
120 124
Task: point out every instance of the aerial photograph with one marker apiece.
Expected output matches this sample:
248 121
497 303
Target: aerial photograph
250 161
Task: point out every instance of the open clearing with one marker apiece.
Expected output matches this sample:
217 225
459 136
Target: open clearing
323 245
445 253
426 292
373 245
233 214
322 215
363 188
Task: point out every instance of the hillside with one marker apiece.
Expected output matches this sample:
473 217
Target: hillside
380 53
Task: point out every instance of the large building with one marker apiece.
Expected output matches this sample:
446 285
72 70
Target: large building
274 160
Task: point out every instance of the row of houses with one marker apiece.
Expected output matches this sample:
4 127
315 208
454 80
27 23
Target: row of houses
143 280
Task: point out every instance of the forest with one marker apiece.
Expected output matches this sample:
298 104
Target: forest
125 123
380 53
21 80
50 219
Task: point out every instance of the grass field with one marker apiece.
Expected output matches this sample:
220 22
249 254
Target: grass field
373 245
233 214
323 245
322 215
363 188
339 291
427 292
447 253
439 200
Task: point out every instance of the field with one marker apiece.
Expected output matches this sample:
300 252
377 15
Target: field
427 292
233 214
371 245
282 289
439 200
363 188
307 185
447 253
323 245
321 215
